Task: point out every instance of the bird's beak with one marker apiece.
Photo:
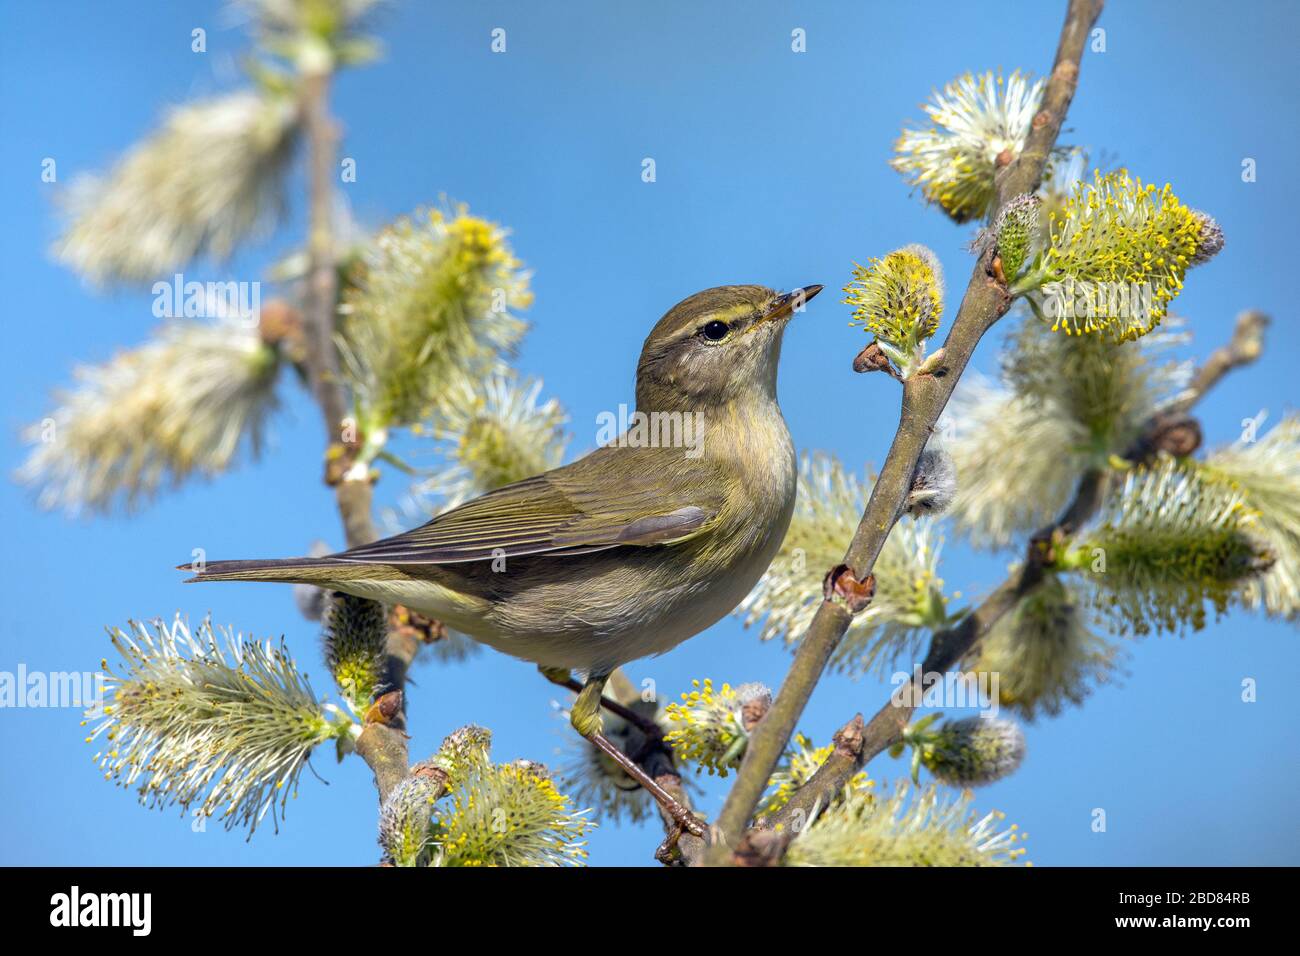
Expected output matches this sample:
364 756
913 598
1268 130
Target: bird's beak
787 305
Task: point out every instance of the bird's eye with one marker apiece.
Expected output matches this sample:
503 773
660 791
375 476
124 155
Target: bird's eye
715 331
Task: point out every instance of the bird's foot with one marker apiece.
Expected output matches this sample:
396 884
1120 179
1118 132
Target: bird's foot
559 675
563 678
683 818
666 852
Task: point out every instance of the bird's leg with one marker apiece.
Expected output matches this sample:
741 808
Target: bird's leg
585 717
563 678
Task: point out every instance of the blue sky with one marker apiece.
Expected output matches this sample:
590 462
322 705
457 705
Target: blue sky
771 168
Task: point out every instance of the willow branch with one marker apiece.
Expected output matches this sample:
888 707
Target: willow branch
322 362
382 743
352 490
1024 174
924 396
1246 345
948 647
646 745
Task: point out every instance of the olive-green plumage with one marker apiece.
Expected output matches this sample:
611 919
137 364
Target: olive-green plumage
630 550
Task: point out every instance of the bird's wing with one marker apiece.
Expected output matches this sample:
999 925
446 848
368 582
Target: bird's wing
614 497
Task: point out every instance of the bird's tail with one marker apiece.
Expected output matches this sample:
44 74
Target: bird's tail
284 570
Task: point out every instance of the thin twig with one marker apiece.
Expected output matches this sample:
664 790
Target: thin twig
924 396
322 363
382 743
1246 345
646 745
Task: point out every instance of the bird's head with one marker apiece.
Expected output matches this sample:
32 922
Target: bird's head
716 346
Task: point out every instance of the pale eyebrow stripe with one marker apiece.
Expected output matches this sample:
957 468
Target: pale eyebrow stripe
740 310
730 314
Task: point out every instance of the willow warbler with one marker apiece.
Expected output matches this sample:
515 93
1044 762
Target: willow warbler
627 552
